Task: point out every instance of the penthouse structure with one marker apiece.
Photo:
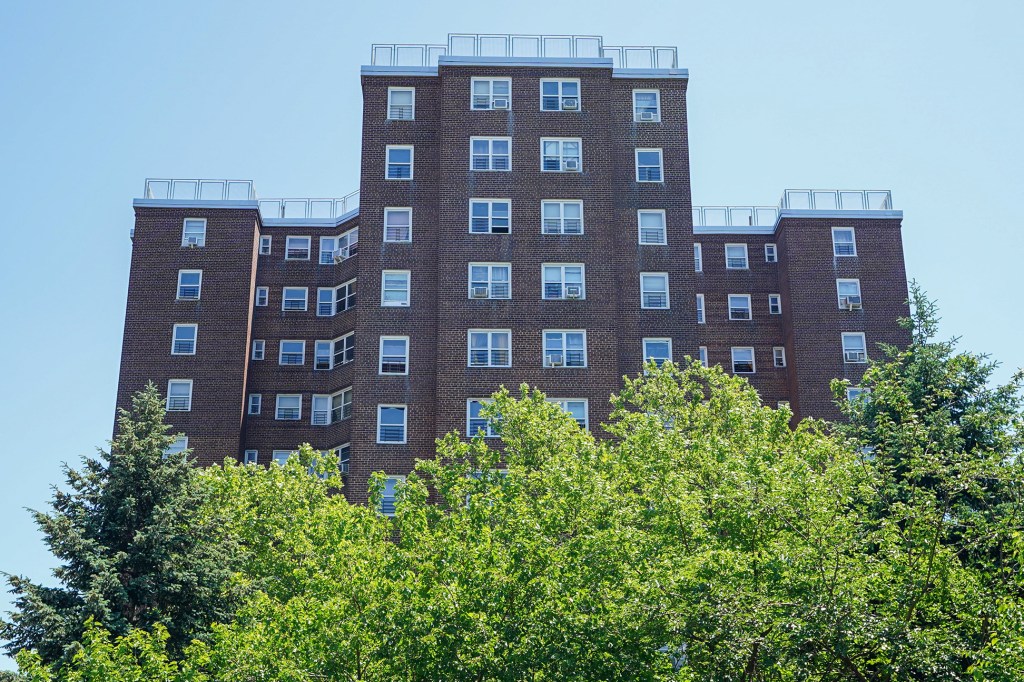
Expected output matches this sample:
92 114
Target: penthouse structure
523 215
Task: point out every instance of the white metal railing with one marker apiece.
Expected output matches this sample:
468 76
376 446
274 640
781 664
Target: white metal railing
196 189
837 199
734 216
277 209
517 45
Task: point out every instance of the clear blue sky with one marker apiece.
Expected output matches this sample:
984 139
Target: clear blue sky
924 98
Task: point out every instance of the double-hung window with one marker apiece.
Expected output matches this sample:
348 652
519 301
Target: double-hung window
397 224
339 249
774 304
649 166
855 348
330 409
391 422
389 496
491 93
702 355
565 348
262 296
281 457
296 248
736 257
179 395
179 445
651 224
331 354
265 242
289 407
701 318
183 339
743 360
255 403
559 95
563 281
490 347
258 349
849 294
490 216
654 290
698 258
779 356
771 253
193 232
561 154
399 162
490 280
294 298
658 349
478 424
844 241
401 104
394 288
646 105
190 284
739 307
394 355
251 457
576 407
490 153
855 394
562 217
334 300
292 353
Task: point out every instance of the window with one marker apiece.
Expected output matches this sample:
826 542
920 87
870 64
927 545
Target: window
563 281
394 355
331 354
652 227
736 256
849 294
565 348
190 284
855 349
251 457
194 232
491 93
489 216
774 304
399 162
265 241
389 496
739 307
648 165
401 104
698 259
339 249
743 360
292 353
179 445
344 452
490 153
391 421
294 298
262 296
398 224
844 242
702 355
183 339
281 457
258 347
289 407
336 299
646 105
296 248
577 407
255 403
559 95
654 290
701 318
779 356
560 155
330 409
857 394
771 253
490 280
658 350
561 217
179 395
490 347
394 288
477 424
782 404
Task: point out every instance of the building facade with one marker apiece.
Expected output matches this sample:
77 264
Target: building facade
523 216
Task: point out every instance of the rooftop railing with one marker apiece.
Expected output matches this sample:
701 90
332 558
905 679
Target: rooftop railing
734 216
510 45
799 199
288 209
200 189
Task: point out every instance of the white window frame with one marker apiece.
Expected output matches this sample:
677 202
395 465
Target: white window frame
281 457
262 294
701 312
753 361
490 348
259 349
285 299
774 304
397 210
405 423
251 457
560 221
490 280
490 156
657 105
179 445
343 345
278 407
857 393
564 348
490 427
563 403
349 295
342 247
387 160
698 257
298 239
490 203
863 346
408 289
473 96
188 399
702 355
266 244
199 286
281 353
656 339
324 412
398 481
779 356
405 357
771 253
561 95
660 166
174 339
185 232
746 257
411 105
255 404
840 296
561 282
745 298
643 292
561 141
663 240
835 244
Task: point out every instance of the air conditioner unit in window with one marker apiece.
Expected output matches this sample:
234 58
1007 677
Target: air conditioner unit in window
855 356
852 302
571 164
499 103
340 254
646 115
555 360
192 242
573 292
570 103
480 292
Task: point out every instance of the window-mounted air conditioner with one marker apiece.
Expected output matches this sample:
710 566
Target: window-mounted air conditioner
499 103
480 292
570 103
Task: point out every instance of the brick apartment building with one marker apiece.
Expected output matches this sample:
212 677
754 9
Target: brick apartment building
523 215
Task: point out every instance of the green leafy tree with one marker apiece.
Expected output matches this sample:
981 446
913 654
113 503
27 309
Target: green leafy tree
137 547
